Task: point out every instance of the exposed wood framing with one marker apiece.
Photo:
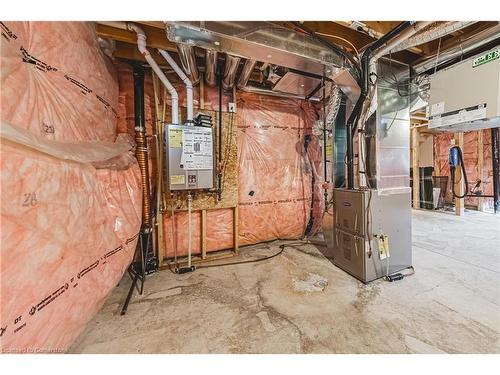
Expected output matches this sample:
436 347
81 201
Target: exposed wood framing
130 52
156 38
160 239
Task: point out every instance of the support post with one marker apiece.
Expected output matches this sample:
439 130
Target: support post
415 143
203 234
495 158
480 163
235 230
459 185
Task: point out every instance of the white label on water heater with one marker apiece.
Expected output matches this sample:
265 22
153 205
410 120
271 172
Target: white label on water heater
197 149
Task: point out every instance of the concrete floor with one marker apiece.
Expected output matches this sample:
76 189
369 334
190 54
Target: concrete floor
451 304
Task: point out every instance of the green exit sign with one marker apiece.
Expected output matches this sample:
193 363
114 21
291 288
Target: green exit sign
486 58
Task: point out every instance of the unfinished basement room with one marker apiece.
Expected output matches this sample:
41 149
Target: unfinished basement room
250 186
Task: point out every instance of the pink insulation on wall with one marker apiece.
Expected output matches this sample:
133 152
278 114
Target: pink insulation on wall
275 183
71 196
442 144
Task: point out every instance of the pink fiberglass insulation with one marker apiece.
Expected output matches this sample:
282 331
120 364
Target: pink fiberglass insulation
276 173
70 212
442 144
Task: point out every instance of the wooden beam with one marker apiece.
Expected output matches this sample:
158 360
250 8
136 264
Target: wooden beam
359 39
415 145
155 38
156 24
381 27
452 40
129 51
459 186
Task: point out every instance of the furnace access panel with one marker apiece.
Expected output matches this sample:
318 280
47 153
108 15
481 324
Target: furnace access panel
190 157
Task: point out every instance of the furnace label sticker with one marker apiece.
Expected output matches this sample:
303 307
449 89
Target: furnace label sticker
197 149
175 138
383 247
328 150
177 179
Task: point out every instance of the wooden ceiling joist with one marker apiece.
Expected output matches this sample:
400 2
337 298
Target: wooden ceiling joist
333 31
155 39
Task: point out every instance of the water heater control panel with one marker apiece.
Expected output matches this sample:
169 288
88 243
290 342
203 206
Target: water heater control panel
189 157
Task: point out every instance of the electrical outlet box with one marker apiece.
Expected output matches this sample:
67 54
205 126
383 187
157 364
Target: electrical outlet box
231 107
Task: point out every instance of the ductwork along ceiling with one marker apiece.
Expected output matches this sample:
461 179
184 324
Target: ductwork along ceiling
269 58
291 64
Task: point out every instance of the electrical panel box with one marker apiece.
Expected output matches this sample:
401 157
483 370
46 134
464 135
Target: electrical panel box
189 157
466 96
371 233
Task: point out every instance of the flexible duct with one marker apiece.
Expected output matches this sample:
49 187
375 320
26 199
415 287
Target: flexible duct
333 106
230 69
435 31
185 79
141 44
188 61
211 68
245 73
465 46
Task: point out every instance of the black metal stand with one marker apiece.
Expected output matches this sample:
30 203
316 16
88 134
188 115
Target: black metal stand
142 267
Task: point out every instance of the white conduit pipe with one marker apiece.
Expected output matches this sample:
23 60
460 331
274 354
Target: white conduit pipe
185 79
141 44
190 200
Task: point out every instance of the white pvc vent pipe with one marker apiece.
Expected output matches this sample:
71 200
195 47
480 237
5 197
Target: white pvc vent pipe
141 44
185 79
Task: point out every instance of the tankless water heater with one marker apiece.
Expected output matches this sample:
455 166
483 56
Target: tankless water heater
189 157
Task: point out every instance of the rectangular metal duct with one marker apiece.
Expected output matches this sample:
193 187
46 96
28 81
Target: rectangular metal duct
296 84
266 42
